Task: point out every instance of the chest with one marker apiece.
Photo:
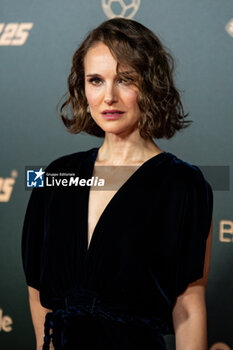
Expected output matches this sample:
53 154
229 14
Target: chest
99 198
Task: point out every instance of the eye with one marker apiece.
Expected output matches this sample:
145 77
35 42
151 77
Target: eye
122 80
95 81
126 81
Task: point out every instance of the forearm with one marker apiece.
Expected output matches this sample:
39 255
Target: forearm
38 313
192 333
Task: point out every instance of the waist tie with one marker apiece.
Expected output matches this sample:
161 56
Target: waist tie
88 308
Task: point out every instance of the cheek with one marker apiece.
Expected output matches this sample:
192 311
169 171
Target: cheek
130 99
93 95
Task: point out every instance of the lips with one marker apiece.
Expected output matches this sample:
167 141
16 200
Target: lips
112 114
112 111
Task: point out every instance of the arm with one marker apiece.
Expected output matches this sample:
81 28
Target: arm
38 313
189 312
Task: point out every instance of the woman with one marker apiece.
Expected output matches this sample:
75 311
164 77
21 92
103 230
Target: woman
120 268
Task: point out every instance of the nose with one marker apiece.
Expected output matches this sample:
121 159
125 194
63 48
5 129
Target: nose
110 95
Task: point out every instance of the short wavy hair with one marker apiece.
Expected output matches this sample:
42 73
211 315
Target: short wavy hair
134 45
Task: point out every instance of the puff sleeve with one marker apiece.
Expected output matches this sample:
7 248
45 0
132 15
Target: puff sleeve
32 238
196 226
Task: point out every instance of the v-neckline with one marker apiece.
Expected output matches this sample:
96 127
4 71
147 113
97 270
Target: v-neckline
94 154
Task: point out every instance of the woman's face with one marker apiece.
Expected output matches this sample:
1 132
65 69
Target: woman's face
106 91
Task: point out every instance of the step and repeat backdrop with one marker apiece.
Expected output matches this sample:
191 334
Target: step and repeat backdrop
37 41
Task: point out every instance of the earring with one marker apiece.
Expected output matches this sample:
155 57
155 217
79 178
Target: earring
88 109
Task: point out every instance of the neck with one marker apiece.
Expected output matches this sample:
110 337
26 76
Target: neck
131 150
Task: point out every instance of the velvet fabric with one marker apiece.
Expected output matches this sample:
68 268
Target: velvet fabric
147 247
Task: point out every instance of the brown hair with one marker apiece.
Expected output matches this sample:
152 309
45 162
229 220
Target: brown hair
132 44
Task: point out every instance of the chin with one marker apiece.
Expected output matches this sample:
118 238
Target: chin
117 126
113 130
117 130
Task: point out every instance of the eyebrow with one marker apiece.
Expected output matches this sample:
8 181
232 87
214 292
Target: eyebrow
99 75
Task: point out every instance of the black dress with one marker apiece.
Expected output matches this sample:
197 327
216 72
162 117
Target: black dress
147 246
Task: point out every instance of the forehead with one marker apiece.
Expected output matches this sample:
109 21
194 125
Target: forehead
100 59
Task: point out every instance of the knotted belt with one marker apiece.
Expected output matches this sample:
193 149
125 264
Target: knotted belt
87 307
